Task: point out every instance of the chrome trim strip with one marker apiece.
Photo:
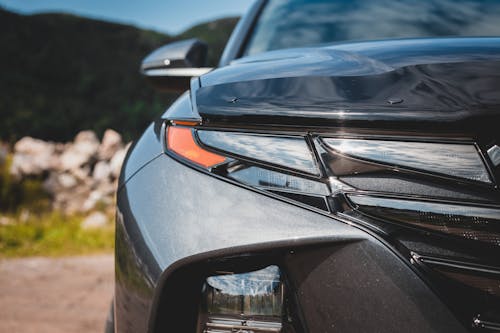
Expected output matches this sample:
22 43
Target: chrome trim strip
477 322
455 264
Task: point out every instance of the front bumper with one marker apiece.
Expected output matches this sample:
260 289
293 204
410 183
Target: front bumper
175 225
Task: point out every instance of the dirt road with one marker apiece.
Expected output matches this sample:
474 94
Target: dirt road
55 295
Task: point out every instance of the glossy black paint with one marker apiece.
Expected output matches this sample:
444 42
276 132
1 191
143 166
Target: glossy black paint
347 269
447 86
170 67
182 54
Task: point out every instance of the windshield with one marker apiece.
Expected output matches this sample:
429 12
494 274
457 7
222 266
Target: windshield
298 23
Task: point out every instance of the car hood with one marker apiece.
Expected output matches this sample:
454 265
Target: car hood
450 84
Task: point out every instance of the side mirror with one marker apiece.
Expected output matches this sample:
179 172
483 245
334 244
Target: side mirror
171 67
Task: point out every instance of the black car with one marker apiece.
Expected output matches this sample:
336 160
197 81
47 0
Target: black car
337 172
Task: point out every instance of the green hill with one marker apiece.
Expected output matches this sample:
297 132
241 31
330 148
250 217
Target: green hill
215 33
62 73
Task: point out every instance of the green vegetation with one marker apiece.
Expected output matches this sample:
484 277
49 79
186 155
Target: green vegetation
215 34
21 195
29 227
62 74
52 234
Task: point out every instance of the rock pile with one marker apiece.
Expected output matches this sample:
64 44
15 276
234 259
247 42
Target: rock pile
80 175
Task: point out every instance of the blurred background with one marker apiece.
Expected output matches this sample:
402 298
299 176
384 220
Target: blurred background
72 100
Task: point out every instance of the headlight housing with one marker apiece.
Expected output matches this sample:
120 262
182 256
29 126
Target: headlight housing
430 198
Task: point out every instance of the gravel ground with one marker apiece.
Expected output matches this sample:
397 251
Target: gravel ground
55 294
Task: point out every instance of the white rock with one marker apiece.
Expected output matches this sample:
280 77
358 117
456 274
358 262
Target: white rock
103 192
60 185
4 220
94 221
29 145
86 136
78 181
71 159
111 143
32 157
51 185
107 188
68 193
59 147
82 173
117 161
102 171
91 201
81 152
71 202
66 180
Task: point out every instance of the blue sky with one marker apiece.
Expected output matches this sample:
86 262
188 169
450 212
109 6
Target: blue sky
171 16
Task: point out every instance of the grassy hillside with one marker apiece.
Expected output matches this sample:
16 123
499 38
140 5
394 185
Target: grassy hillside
62 73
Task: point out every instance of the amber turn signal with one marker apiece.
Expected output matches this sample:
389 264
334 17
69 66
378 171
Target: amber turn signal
180 140
185 122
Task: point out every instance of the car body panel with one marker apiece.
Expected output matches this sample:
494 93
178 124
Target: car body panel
191 227
141 152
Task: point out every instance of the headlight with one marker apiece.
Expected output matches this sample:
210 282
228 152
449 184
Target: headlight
432 198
